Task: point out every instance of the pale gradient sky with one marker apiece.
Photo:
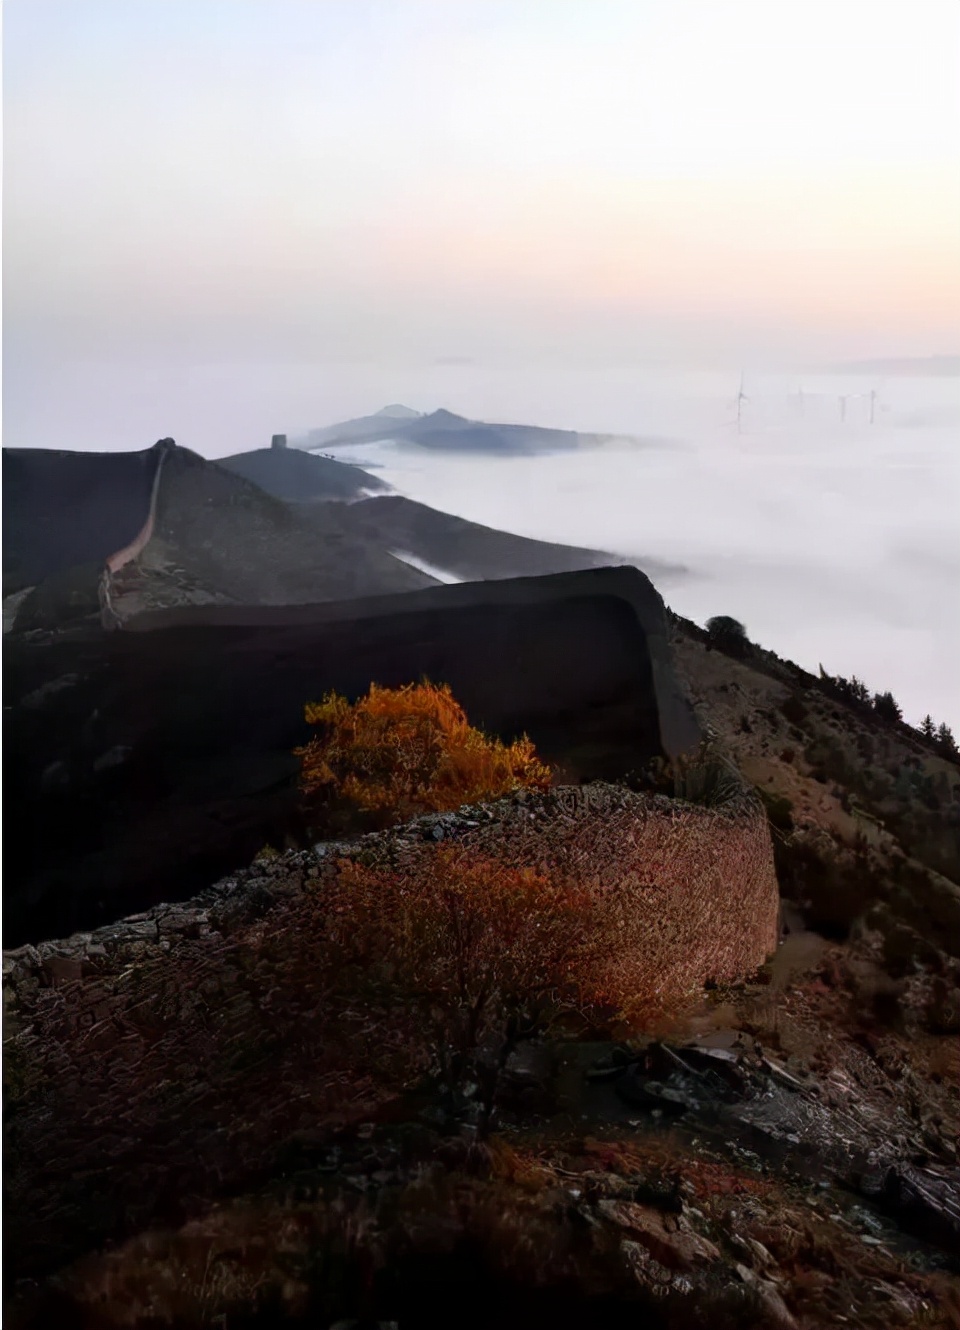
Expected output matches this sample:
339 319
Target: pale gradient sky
259 182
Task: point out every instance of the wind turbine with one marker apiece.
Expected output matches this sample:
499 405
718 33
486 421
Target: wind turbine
741 398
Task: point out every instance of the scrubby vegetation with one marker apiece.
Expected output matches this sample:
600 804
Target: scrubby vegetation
473 956
706 778
854 693
398 975
469 956
728 635
398 752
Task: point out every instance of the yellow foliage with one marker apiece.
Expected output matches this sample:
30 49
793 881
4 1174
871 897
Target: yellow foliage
410 750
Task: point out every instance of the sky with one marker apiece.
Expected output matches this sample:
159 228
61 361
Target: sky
228 218
216 188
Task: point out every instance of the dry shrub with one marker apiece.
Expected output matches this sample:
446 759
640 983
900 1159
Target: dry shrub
529 1172
627 1158
720 1180
398 752
487 954
707 778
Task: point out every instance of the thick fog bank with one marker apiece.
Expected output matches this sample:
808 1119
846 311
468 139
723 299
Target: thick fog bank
836 540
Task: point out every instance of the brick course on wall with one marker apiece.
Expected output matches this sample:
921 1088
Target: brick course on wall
164 1060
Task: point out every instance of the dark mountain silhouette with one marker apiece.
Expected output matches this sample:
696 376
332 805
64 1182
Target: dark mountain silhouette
445 430
214 537
217 537
473 552
382 424
62 509
221 538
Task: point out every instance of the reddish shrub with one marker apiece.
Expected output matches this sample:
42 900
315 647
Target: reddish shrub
487 954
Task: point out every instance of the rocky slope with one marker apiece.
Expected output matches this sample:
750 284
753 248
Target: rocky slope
867 812
90 1101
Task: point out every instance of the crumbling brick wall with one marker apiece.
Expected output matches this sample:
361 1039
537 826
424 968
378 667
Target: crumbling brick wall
157 1063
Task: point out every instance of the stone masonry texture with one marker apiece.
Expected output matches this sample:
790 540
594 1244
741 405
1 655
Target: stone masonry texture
168 1059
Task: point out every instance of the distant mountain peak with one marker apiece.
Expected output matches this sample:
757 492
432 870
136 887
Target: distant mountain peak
396 411
444 417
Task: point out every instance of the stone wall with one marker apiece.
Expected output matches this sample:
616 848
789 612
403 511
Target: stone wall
627 592
174 1057
120 558
164 759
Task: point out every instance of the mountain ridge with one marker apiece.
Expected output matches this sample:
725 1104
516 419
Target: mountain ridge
446 430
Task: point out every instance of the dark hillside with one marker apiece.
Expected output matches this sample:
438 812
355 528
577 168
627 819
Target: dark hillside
62 509
301 477
469 550
867 813
220 538
254 529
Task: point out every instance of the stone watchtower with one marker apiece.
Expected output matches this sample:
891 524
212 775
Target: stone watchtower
278 441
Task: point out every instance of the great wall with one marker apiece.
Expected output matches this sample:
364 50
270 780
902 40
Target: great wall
179 1051
120 558
171 1055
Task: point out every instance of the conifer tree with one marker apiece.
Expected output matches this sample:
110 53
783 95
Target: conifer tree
859 690
945 740
885 705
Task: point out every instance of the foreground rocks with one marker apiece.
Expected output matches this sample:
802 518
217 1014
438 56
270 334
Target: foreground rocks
403 1225
784 1160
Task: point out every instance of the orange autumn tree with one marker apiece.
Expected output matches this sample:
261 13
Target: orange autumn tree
398 752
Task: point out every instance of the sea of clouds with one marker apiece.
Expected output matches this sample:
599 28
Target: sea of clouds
827 518
834 538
